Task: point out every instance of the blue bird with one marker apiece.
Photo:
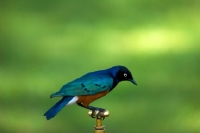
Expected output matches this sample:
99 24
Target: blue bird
88 88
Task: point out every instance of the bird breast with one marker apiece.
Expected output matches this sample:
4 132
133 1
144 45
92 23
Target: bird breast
85 100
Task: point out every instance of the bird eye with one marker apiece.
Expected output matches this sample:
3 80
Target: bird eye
125 75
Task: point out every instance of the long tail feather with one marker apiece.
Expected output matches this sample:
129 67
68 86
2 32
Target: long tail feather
57 107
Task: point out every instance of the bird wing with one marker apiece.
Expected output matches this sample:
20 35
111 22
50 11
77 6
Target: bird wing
86 85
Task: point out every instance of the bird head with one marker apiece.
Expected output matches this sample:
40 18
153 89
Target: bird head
123 74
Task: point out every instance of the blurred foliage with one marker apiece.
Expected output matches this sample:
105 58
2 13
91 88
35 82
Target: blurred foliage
45 44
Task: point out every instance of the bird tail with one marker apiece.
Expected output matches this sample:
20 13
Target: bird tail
57 107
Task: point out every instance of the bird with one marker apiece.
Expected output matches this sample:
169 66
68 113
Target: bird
89 88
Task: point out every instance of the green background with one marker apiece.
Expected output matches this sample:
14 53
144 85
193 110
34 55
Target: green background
45 44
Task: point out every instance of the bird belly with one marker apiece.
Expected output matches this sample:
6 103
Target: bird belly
74 99
85 100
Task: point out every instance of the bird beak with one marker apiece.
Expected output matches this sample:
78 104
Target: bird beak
133 81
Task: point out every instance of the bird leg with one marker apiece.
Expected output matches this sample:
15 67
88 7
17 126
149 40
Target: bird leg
93 109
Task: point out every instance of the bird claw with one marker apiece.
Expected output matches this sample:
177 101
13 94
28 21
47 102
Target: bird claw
93 112
98 114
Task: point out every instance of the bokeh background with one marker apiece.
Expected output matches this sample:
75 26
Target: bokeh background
45 44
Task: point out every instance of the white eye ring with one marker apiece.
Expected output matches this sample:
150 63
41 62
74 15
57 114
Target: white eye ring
125 75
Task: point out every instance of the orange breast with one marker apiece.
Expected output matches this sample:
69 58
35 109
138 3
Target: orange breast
85 100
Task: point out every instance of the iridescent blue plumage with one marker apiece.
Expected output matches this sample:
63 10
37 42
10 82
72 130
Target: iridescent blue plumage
57 107
89 84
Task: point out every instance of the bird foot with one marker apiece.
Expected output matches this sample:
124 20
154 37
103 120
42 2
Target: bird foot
96 113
